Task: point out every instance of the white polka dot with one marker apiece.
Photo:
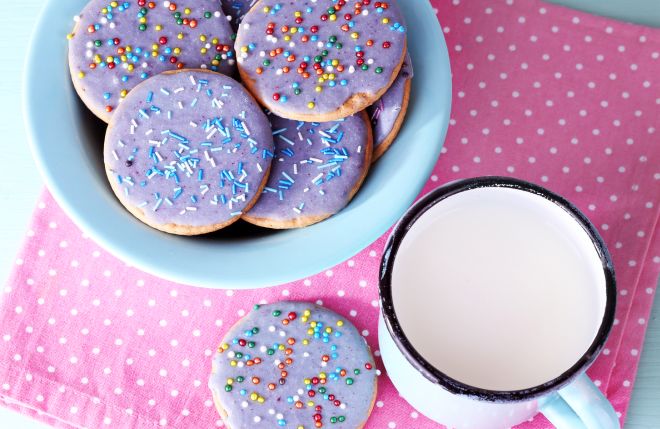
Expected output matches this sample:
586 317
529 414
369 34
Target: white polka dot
286 292
626 383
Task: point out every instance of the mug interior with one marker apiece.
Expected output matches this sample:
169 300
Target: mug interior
466 380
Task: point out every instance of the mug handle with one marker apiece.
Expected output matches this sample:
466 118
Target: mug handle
580 405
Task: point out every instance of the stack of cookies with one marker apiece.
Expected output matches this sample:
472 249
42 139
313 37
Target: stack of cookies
324 87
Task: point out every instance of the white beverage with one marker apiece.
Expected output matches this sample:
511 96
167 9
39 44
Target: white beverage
499 288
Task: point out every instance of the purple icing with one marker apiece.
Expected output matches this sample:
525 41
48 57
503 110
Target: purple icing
324 347
189 148
364 39
236 9
186 41
384 112
316 168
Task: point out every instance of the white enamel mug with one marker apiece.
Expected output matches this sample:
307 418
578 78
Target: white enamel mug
569 399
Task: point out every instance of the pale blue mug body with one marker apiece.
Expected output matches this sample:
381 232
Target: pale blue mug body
569 401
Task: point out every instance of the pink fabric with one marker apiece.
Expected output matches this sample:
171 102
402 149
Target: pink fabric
542 93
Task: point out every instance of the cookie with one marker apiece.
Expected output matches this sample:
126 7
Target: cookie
318 168
294 365
320 60
115 45
236 10
387 114
188 152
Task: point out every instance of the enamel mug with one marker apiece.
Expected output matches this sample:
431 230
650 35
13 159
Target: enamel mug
446 366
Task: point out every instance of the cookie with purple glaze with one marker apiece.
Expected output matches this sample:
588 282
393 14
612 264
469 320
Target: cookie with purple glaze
294 365
318 168
115 45
387 114
188 152
320 60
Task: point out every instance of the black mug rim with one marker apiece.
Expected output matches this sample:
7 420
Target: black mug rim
415 358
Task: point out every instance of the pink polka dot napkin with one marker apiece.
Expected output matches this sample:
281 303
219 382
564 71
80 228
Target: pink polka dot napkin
557 97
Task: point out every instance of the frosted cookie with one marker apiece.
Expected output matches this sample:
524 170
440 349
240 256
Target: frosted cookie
320 60
387 114
188 152
115 45
318 168
236 10
294 365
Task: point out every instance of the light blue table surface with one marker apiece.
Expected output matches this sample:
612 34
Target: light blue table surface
20 184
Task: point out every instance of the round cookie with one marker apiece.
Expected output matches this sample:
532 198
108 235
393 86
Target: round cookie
387 114
320 60
295 365
115 45
236 9
318 168
188 152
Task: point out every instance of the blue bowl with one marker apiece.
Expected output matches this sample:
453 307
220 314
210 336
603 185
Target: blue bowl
67 143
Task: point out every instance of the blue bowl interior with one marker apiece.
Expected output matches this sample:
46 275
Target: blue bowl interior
67 143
